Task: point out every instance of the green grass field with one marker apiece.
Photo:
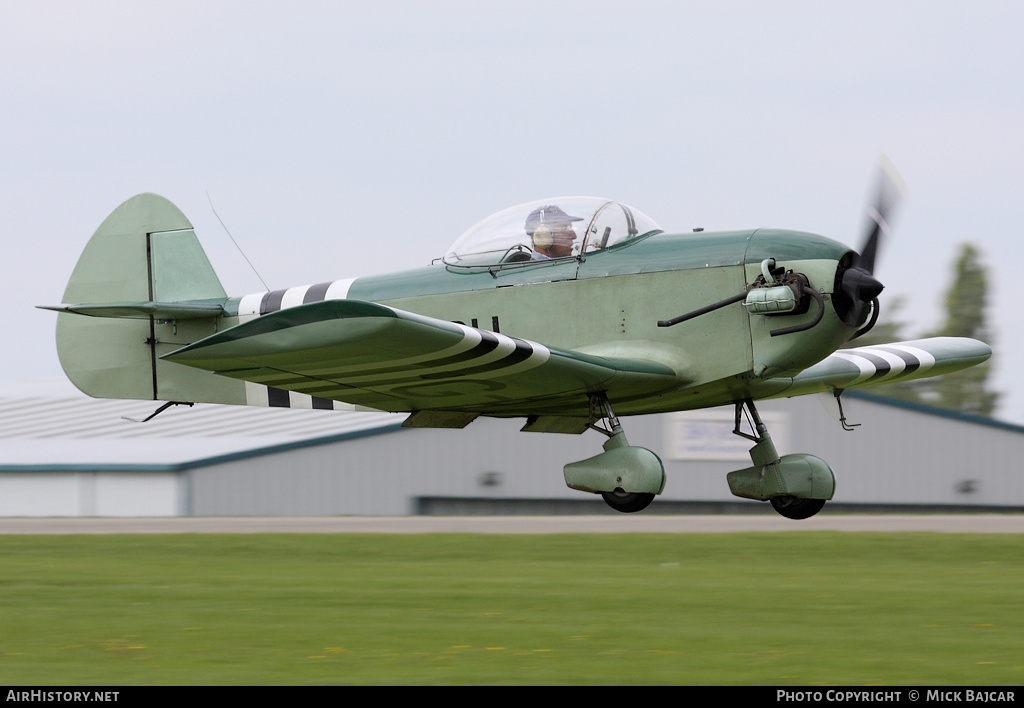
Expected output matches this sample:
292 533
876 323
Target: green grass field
776 609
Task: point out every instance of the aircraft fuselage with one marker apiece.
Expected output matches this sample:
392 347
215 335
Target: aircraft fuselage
609 303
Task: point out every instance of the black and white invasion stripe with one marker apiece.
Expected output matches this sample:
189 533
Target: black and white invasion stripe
886 361
256 304
479 353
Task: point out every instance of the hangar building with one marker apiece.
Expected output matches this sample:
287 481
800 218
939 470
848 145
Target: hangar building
69 455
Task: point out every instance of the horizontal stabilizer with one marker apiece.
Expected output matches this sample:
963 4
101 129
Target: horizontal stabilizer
144 310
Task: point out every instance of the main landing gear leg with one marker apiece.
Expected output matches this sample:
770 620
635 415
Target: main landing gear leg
627 477
796 485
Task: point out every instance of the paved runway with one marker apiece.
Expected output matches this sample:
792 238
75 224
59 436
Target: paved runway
946 523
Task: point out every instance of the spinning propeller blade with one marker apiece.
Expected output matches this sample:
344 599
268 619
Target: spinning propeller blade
858 284
890 189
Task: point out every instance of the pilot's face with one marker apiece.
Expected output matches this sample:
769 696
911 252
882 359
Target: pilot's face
562 236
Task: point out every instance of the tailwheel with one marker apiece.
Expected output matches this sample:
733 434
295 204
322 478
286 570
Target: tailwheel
796 508
627 502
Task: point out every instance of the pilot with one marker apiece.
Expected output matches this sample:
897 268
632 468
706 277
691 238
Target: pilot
551 231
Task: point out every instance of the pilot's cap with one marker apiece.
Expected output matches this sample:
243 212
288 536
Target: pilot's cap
548 216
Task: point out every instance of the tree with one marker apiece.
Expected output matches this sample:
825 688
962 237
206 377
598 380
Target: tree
965 391
966 301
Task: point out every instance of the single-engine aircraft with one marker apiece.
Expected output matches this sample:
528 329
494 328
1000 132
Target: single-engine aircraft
569 312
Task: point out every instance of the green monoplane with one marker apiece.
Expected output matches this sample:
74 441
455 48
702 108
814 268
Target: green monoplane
554 311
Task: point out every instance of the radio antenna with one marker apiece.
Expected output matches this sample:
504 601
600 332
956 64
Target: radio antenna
235 242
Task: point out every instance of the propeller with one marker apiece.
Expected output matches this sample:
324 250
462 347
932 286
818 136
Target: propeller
859 287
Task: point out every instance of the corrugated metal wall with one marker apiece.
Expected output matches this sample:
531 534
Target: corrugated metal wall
898 455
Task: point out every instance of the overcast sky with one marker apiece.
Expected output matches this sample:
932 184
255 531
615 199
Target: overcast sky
339 139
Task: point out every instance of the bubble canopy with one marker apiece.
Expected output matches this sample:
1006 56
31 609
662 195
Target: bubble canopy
547 229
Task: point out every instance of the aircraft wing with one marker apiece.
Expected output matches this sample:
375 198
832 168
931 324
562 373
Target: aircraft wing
881 364
385 358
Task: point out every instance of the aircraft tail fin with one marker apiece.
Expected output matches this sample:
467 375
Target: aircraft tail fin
142 286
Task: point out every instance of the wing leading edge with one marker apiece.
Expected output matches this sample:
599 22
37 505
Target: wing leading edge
385 358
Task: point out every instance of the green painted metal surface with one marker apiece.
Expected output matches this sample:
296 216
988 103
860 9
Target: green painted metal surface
153 333
797 475
628 468
180 268
646 321
377 356
144 251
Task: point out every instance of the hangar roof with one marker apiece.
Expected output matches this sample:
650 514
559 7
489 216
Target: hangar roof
48 424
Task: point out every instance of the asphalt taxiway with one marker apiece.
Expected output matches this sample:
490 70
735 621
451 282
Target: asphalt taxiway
941 523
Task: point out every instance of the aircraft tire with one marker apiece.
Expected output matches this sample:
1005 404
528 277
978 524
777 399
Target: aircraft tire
794 508
627 502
